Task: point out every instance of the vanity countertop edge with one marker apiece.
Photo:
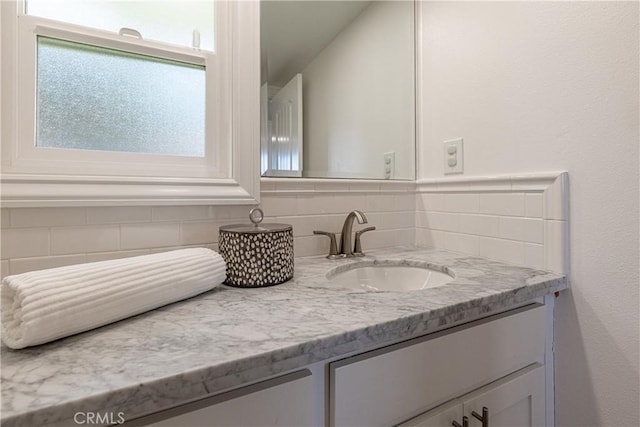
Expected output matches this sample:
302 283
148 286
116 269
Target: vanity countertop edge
230 337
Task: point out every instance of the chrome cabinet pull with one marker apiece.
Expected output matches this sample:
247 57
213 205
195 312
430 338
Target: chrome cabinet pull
484 418
465 422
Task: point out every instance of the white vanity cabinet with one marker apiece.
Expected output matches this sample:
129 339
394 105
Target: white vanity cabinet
496 363
462 369
514 401
282 401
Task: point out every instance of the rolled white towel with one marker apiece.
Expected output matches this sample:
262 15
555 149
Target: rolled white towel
41 306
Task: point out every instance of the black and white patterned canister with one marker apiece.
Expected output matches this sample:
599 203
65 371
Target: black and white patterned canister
257 254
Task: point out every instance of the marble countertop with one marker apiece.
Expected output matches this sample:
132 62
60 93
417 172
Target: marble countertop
228 337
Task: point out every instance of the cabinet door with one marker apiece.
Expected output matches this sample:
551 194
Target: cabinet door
388 386
284 401
514 401
442 416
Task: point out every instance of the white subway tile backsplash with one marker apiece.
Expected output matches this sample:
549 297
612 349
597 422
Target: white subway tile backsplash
335 222
4 268
405 202
45 217
310 245
523 229
387 202
303 225
23 265
430 202
198 232
502 250
441 221
238 214
388 238
105 256
468 218
181 213
213 247
390 220
463 243
431 238
5 218
421 220
507 204
533 205
348 202
312 205
153 235
277 205
479 225
556 236
534 256
461 202
118 215
24 242
74 240
380 203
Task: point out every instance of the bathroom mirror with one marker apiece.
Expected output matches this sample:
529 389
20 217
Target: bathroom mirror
338 89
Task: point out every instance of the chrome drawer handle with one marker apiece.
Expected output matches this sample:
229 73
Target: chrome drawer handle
465 422
484 418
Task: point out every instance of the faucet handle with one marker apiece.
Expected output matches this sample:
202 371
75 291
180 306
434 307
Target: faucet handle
333 247
357 249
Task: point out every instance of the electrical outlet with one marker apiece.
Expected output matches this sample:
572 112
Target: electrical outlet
453 156
389 165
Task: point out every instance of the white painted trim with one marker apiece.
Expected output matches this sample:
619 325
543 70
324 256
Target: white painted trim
292 186
419 101
549 356
59 191
40 187
517 182
246 96
110 41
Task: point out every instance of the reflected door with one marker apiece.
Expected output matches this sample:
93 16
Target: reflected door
284 144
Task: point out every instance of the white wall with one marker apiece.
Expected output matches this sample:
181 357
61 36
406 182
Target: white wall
536 86
358 97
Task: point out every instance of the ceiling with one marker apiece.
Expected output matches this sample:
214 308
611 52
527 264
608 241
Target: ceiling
294 32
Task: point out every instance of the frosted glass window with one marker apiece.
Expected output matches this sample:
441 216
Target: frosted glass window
166 21
94 98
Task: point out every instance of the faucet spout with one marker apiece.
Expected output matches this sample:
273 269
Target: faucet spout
346 247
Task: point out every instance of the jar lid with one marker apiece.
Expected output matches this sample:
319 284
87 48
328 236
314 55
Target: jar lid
256 215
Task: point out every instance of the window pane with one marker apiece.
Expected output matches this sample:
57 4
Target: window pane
102 99
165 21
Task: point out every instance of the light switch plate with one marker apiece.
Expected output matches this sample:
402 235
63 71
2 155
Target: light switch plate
453 156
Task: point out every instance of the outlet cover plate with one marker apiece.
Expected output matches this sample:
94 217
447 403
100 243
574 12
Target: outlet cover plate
453 156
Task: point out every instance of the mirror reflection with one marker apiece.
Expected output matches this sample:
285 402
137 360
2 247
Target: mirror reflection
338 89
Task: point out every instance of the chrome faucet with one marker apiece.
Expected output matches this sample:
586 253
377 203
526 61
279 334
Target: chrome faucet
345 239
346 249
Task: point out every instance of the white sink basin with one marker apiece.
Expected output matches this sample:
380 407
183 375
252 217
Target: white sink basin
387 277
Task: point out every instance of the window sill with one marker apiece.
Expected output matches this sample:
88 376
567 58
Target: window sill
54 191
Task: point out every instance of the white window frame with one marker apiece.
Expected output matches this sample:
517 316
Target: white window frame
229 172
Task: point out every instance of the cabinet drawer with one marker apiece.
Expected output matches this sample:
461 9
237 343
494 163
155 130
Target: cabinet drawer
283 401
390 385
